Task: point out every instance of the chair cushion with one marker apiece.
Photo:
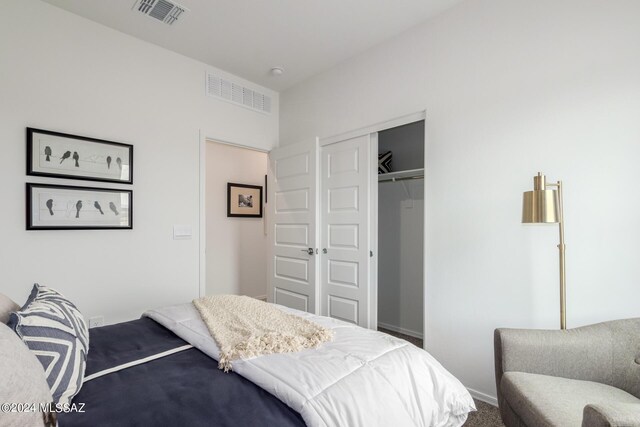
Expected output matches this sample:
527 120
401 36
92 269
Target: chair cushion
542 400
55 331
23 381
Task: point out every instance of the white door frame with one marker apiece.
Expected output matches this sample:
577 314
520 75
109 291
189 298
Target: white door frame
204 138
202 216
373 220
373 231
377 127
424 239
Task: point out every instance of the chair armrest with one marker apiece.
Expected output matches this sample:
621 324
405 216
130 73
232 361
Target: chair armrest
611 415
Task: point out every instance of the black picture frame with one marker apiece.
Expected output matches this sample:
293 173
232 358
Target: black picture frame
111 168
70 223
234 208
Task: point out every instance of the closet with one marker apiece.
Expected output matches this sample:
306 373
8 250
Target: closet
345 241
401 229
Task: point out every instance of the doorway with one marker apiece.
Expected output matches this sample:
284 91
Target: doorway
235 248
401 230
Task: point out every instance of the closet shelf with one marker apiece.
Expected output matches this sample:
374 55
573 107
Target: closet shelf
401 175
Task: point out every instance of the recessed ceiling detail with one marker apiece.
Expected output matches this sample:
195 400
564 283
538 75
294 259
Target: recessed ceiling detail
162 10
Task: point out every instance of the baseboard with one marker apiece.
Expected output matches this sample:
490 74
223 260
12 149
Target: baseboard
261 297
483 396
400 330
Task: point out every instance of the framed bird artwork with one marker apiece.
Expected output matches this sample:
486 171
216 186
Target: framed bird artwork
61 155
62 207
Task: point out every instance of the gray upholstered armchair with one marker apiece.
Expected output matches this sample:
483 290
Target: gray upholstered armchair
587 376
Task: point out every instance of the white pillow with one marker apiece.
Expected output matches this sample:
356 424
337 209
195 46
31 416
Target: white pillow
6 306
23 381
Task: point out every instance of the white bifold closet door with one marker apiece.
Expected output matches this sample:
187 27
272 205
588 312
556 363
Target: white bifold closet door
291 215
345 208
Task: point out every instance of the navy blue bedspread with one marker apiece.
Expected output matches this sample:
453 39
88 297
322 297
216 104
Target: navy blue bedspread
183 389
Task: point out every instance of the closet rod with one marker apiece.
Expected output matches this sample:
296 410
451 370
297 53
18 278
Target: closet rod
401 178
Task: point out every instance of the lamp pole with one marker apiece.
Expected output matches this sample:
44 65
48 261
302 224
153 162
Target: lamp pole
563 276
561 251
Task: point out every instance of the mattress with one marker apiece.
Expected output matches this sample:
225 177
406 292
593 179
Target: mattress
184 388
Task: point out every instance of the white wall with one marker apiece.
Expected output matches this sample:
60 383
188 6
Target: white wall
510 88
236 260
65 73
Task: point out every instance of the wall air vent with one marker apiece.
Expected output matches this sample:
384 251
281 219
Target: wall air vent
227 90
162 10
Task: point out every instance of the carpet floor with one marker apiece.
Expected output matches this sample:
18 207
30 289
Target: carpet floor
486 415
415 341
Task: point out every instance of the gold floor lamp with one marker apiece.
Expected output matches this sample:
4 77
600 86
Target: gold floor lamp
542 206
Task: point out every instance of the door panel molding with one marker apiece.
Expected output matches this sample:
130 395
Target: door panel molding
292 227
345 216
343 308
291 299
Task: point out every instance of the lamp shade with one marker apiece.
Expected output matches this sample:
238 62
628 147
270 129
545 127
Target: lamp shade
540 206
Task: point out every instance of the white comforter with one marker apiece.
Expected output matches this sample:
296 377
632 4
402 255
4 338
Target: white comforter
362 378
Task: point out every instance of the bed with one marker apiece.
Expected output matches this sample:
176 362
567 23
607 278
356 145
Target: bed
182 389
165 369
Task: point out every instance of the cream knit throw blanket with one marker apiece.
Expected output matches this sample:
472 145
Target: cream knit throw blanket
245 327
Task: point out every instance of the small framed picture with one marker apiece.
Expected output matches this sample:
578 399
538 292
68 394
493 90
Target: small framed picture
60 155
61 207
244 200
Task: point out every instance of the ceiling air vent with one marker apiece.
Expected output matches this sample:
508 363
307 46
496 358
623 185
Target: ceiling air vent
162 10
237 94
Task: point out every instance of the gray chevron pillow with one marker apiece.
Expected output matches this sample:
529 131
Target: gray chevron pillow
55 331
384 162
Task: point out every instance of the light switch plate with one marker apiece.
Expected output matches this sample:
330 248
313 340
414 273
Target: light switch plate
182 232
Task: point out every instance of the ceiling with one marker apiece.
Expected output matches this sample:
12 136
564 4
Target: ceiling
249 37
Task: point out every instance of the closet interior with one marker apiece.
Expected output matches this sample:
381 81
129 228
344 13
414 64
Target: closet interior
401 229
